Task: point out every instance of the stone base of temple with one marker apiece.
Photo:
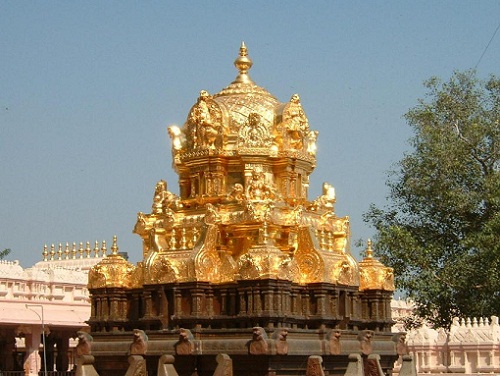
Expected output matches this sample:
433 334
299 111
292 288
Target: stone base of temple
253 352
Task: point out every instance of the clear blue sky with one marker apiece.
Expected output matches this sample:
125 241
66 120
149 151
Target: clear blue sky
88 88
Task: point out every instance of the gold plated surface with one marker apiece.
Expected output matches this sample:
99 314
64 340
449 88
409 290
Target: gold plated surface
374 275
112 271
242 213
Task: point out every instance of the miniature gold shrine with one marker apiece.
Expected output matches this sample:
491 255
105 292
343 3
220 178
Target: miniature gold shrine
241 244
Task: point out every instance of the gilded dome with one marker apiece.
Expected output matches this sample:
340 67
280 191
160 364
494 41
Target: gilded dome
112 271
243 97
373 274
244 116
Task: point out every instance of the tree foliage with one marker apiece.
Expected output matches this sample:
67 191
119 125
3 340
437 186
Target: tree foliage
441 229
4 253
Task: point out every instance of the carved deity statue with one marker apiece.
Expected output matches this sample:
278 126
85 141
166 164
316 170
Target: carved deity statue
257 189
204 121
162 198
296 123
253 134
327 199
237 193
177 137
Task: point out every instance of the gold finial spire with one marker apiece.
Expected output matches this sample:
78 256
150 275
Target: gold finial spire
88 250
59 252
369 250
243 63
114 247
45 253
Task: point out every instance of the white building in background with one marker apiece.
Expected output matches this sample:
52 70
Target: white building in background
472 345
50 296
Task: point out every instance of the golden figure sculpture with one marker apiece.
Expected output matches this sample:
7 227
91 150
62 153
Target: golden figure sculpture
295 122
204 121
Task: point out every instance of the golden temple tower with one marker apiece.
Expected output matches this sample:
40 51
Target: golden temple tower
242 246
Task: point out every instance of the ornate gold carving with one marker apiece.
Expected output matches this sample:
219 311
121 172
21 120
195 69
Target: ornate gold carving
253 134
257 189
295 123
244 161
112 271
373 274
205 123
265 261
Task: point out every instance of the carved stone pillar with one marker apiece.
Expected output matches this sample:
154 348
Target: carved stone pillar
210 303
178 302
257 303
268 300
62 360
7 345
196 299
243 302
32 360
320 303
104 308
113 314
50 341
148 304
295 303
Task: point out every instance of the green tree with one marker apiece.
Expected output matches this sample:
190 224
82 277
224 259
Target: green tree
441 228
4 253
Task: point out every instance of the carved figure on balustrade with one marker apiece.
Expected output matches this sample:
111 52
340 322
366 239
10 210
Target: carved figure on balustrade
185 344
139 345
335 348
401 346
281 343
258 343
84 346
365 339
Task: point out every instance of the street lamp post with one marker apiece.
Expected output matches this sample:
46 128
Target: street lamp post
30 306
